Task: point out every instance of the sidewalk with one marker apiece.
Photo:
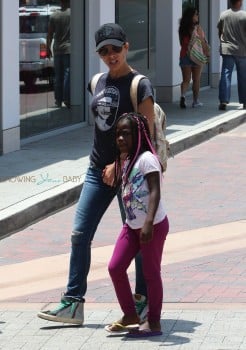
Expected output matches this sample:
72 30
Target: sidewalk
203 268
47 175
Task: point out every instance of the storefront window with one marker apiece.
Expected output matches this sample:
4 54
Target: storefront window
40 110
187 3
140 30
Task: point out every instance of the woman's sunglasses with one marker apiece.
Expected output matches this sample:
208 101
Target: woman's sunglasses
104 51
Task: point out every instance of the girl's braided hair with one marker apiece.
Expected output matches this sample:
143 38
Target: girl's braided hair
141 142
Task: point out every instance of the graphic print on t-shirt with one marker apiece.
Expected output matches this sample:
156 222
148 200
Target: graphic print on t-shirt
134 194
107 107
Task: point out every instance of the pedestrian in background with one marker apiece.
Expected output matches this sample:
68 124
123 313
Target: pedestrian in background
190 70
146 225
59 30
111 98
232 35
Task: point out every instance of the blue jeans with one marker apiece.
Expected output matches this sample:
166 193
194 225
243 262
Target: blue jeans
228 63
62 78
94 200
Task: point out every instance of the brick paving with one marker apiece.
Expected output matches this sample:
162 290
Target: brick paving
219 278
204 187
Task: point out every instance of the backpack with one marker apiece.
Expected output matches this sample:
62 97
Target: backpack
161 145
94 81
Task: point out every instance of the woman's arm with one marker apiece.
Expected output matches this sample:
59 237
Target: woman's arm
146 108
202 37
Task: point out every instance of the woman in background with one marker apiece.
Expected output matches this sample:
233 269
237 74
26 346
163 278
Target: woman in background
189 68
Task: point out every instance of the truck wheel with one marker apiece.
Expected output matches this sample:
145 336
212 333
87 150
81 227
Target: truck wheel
30 81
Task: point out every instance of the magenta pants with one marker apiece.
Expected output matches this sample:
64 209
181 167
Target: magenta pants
126 248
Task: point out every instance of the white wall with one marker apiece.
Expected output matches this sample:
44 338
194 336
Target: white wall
76 57
167 50
9 79
100 12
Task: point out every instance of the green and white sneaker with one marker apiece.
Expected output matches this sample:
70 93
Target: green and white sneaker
141 306
66 312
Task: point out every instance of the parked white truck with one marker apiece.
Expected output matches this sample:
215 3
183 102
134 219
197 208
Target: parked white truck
34 63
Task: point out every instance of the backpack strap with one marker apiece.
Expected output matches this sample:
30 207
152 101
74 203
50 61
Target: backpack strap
134 90
94 81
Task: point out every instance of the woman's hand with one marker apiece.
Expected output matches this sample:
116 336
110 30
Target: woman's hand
109 174
200 32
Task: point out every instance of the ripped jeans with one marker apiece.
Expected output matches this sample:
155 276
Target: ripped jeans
94 200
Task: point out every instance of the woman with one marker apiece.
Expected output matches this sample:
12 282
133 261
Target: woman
145 229
110 100
189 69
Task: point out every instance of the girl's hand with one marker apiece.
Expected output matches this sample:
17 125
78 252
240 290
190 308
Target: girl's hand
146 233
109 174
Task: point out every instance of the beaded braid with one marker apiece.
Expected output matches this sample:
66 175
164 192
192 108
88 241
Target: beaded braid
143 142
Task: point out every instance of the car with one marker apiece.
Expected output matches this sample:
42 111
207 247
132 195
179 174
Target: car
33 55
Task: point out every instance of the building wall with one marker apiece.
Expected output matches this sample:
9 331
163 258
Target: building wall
167 48
217 6
9 77
96 13
99 12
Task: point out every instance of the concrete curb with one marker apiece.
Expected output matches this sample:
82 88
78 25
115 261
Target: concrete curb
40 206
190 139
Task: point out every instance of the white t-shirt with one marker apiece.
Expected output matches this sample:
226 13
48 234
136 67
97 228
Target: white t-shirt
135 194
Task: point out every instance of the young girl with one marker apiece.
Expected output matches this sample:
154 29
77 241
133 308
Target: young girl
146 225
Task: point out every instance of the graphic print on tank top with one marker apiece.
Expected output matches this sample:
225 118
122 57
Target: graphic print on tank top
107 107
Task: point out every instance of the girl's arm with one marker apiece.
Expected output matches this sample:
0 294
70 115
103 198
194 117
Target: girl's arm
153 180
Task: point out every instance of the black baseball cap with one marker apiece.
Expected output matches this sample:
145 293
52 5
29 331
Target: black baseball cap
110 34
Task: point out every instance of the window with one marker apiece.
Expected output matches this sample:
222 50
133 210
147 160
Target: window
137 17
33 24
